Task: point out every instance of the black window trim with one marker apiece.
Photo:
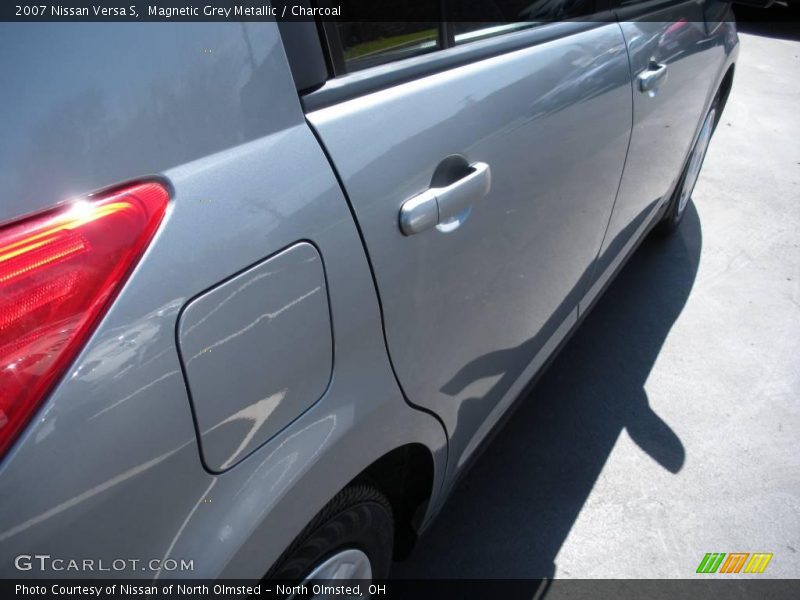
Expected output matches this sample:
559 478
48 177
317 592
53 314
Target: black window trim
308 62
333 41
358 83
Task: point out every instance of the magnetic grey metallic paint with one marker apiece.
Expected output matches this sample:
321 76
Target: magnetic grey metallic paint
467 311
666 119
111 465
88 105
660 127
257 353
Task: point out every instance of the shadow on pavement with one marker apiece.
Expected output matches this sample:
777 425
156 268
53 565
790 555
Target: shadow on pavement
511 513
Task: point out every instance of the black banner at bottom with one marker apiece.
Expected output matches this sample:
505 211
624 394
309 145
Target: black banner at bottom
411 589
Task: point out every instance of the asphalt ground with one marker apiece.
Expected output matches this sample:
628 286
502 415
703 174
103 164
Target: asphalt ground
669 426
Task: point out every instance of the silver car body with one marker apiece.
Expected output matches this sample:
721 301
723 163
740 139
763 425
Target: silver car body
281 335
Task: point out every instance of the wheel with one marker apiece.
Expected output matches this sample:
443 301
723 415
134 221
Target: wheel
350 538
683 192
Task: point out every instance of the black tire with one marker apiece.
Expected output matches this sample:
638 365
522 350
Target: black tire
674 215
358 517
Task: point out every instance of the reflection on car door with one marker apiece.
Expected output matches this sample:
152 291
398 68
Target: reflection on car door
673 69
471 307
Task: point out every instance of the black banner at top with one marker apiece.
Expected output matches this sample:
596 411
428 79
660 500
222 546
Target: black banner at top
495 11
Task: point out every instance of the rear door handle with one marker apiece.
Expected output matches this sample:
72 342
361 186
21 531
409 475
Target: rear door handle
439 204
653 77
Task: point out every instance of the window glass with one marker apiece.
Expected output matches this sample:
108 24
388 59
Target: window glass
505 16
369 44
359 45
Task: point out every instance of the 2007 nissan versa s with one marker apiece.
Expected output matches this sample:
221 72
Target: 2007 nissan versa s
253 275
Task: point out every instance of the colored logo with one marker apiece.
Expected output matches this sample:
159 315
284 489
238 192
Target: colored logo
736 562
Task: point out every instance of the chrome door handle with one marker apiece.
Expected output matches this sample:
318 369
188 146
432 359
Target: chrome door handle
653 77
439 204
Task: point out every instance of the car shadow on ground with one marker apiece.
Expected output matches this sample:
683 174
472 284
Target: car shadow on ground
511 513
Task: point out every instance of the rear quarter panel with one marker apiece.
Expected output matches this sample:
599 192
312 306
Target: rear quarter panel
110 467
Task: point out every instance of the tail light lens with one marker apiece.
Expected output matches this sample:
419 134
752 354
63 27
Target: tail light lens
58 272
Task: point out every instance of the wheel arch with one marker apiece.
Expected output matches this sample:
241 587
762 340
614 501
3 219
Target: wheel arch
405 476
724 89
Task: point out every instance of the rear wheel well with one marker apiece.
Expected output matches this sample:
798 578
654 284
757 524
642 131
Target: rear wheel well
725 90
405 477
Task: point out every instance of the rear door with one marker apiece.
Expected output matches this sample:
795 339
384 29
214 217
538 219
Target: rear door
523 133
673 68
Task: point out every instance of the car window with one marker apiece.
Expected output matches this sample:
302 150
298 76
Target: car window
505 16
369 44
359 45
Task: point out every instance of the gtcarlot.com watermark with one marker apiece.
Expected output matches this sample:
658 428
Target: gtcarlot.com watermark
47 563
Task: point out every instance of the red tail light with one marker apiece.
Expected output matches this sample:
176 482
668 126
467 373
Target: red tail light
58 272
